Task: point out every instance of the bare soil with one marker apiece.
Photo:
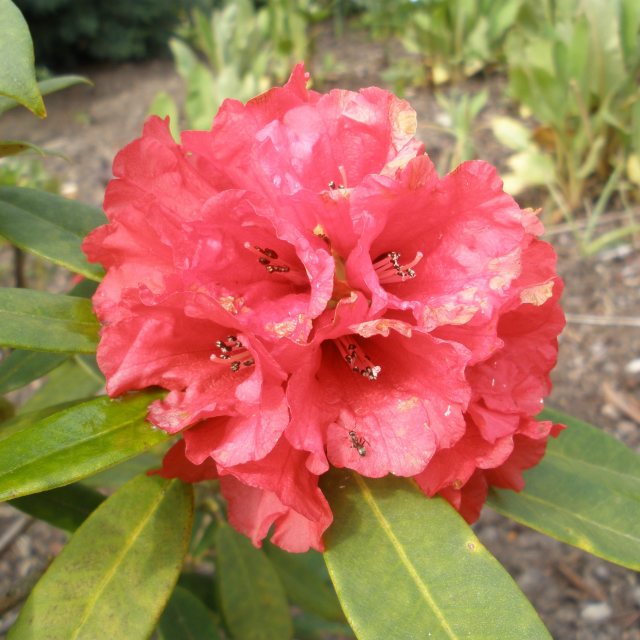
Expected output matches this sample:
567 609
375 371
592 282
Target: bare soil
597 379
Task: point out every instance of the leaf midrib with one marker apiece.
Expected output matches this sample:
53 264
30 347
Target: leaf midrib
71 445
528 496
102 585
404 558
552 453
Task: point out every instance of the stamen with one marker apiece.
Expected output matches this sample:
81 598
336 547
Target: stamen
358 362
390 271
232 351
268 258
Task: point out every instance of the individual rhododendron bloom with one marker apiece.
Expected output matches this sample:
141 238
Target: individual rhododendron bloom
311 293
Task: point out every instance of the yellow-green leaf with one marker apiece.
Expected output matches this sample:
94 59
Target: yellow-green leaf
41 321
17 72
586 492
73 443
114 577
405 566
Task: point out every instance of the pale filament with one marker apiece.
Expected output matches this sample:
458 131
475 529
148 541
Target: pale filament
389 269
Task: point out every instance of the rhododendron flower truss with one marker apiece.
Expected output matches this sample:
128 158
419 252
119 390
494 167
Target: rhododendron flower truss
311 293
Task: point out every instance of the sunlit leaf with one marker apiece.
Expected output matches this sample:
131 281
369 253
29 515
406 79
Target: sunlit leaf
73 443
17 72
405 566
584 492
116 574
43 321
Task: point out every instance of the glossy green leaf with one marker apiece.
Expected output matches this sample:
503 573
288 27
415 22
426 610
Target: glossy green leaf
116 574
74 443
586 492
17 72
251 594
306 582
405 566
47 322
69 382
116 476
66 507
50 85
20 368
186 618
49 226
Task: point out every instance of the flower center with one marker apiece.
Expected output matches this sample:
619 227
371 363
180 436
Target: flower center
356 359
268 258
232 352
389 269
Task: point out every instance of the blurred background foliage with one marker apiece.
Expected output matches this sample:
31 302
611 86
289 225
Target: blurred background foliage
568 71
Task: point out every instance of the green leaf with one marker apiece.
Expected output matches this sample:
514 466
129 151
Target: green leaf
116 574
309 627
186 618
306 582
201 586
66 508
47 322
74 443
405 566
115 477
50 85
251 594
20 368
164 106
13 147
49 226
17 72
584 492
69 382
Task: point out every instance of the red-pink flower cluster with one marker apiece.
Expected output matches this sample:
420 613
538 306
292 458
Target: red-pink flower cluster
312 293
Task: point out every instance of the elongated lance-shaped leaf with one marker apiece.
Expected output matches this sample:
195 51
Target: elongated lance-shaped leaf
71 381
116 574
74 443
586 492
42 321
306 582
20 368
252 598
187 618
17 71
405 566
49 226
66 507
50 85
